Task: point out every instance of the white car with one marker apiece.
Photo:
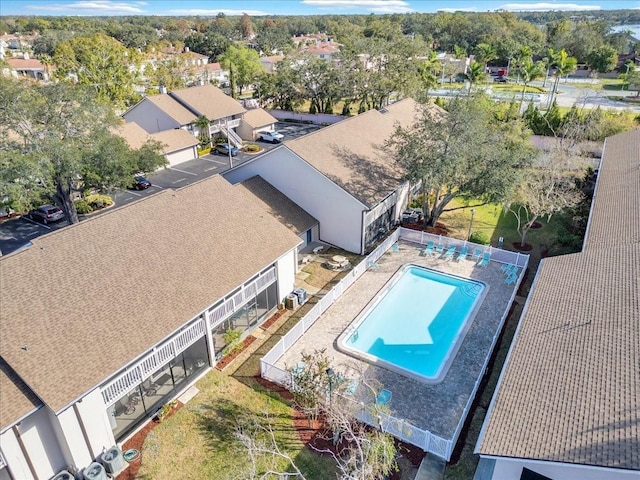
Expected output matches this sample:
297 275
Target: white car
273 137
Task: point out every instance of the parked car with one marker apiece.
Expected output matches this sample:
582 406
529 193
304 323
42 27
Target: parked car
501 79
46 214
140 183
273 137
223 149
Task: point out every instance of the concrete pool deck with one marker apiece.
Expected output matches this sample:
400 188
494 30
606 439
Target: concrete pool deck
437 408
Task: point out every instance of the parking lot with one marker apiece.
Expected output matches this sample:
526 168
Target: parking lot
18 232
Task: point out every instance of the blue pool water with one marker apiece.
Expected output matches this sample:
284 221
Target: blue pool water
416 323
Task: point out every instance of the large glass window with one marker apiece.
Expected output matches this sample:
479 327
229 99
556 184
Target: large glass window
142 401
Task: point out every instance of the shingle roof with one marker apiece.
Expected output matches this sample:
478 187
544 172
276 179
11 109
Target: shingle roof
16 399
209 101
258 117
349 152
133 134
89 298
176 139
172 108
278 205
570 389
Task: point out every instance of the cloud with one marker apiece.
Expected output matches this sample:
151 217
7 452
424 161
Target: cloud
374 6
185 12
545 7
453 10
96 7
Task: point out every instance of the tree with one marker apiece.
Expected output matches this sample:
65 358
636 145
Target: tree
529 71
101 62
475 74
244 63
465 152
56 139
546 188
603 59
246 28
632 80
360 452
564 65
485 53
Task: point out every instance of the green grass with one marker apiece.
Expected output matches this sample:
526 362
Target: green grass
198 441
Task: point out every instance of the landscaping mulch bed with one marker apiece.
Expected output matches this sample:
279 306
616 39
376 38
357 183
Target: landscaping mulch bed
227 359
439 229
270 321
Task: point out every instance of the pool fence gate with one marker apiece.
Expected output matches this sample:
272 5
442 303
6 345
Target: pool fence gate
397 427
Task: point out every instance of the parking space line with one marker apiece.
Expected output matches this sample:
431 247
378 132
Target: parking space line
179 180
157 186
183 171
134 193
214 161
36 223
210 168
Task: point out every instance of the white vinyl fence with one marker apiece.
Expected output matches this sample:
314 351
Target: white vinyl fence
397 427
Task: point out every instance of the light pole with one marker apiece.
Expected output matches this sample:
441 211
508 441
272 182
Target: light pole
473 212
329 372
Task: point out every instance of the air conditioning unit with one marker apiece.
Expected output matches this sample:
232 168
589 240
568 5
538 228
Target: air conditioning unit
291 302
95 471
113 460
63 475
301 293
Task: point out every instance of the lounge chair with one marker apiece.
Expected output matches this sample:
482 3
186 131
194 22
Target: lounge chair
506 267
476 253
428 250
486 256
463 253
439 249
511 279
383 397
450 252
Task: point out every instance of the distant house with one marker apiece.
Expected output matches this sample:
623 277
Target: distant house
183 107
28 67
178 145
254 121
323 50
341 176
270 63
567 404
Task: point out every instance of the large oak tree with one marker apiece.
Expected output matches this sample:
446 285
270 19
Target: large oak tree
57 139
465 152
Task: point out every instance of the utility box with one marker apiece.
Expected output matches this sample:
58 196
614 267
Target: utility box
95 471
291 302
301 293
113 460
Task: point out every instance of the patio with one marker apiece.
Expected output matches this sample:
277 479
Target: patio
439 408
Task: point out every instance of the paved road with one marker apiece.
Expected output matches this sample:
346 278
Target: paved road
17 233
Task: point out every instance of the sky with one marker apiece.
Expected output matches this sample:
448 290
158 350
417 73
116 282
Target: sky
292 7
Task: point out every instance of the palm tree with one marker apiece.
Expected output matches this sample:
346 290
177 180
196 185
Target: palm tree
529 71
485 53
564 66
475 74
203 126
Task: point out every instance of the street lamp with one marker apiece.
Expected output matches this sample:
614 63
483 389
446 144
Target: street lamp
330 373
473 212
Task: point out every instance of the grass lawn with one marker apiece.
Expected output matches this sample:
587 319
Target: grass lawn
198 441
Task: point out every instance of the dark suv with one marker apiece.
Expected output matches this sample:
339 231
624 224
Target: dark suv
46 214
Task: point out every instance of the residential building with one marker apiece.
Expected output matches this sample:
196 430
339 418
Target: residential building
567 404
342 176
105 321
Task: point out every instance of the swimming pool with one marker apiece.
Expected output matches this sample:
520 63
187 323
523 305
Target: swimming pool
416 323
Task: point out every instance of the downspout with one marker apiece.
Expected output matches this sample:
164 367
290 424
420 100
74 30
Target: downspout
85 435
23 449
362 232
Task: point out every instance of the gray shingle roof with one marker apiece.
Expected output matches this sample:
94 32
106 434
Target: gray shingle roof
89 298
173 140
258 117
570 389
209 101
349 152
278 205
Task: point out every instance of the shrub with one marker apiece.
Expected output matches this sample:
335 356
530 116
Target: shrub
83 207
252 148
480 238
232 338
98 201
166 409
204 151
